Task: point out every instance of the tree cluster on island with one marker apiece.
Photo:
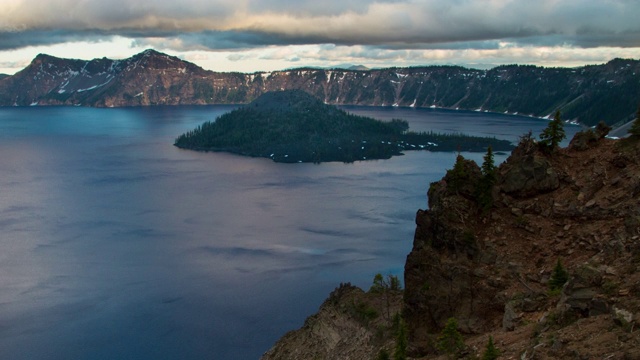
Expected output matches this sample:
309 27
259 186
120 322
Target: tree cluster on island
293 126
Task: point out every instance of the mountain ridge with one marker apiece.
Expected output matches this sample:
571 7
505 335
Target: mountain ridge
583 94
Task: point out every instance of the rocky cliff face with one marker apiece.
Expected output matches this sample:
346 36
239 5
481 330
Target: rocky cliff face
153 78
491 269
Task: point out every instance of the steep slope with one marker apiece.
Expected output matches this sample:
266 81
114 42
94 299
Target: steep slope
491 269
588 94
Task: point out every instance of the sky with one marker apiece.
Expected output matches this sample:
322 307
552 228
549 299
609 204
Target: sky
266 35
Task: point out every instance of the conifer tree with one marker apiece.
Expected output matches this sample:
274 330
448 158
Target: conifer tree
457 176
402 341
553 134
490 352
488 166
485 185
450 341
559 276
635 127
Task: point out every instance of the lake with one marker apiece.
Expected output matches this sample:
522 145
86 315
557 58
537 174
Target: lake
116 245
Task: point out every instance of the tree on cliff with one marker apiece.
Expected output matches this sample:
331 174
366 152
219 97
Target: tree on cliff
402 340
490 352
635 127
485 185
559 277
553 134
450 341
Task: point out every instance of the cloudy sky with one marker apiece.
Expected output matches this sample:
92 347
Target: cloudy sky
262 35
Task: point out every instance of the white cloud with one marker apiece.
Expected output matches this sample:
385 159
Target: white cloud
240 34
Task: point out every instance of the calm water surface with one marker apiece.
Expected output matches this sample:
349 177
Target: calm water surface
116 245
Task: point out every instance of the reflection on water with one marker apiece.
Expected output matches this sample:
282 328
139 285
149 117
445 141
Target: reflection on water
115 244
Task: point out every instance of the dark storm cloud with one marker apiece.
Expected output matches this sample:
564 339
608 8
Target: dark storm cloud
20 39
399 24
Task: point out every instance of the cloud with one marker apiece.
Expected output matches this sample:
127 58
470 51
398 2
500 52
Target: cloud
406 24
247 35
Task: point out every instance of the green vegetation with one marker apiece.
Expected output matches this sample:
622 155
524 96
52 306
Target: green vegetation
490 352
553 134
293 126
383 355
559 277
363 312
384 287
484 190
392 283
457 176
450 341
402 340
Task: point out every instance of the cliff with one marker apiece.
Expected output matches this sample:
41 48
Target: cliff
584 94
491 268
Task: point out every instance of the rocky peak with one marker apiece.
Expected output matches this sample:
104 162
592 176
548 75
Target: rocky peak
350 324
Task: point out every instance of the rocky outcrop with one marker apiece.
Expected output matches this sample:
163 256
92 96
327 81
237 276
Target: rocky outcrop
153 78
491 269
350 324
528 172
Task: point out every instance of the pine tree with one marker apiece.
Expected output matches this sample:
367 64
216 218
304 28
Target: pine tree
490 352
485 185
553 134
635 127
457 176
488 166
450 340
402 341
559 276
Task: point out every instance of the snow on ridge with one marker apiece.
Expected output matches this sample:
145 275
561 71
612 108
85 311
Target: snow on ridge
95 86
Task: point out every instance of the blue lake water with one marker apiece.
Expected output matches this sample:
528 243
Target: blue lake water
116 245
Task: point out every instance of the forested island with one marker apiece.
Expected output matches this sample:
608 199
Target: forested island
293 126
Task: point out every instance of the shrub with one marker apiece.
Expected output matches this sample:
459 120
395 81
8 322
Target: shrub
383 355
